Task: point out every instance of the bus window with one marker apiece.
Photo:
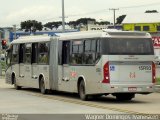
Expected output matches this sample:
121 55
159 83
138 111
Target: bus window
21 53
28 53
43 55
125 46
77 52
34 52
65 52
15 54
89 51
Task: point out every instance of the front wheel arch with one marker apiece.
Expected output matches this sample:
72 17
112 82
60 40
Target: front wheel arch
82 89
17 87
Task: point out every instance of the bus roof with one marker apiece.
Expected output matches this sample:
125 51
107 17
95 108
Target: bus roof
83 34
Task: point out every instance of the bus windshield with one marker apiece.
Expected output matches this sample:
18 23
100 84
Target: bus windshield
127 46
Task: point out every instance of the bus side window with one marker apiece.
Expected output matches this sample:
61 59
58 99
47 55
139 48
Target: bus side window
43 56
21 53
28 53
77 52
90 51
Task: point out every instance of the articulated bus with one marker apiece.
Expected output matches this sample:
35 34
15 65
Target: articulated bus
91 63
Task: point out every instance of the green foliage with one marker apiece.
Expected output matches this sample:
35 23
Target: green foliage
81 21
31 25
53 24
3 64
158 81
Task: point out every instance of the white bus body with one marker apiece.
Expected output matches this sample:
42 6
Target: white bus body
88 63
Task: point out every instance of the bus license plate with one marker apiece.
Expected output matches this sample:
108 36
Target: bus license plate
132 89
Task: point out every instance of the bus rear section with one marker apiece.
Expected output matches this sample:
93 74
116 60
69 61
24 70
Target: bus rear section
128 67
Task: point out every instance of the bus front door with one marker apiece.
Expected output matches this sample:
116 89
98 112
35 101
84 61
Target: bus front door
65 65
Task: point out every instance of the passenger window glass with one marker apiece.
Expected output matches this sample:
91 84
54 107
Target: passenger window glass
87 45
77 52
43 57
15 54
28 53
90 51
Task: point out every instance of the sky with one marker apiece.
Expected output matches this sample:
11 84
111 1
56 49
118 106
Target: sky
13 12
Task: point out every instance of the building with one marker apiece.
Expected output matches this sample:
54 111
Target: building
149 22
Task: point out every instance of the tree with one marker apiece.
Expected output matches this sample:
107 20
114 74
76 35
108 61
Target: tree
81 21
120 19
53 24
31 25
151 11
73 23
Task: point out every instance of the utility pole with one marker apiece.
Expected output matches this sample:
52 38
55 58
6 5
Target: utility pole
14 29
114 14
63 17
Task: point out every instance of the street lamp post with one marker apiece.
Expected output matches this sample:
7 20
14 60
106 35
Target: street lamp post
63 17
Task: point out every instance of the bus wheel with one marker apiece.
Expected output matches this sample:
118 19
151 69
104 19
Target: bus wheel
42 86
125 96
81 90
15 84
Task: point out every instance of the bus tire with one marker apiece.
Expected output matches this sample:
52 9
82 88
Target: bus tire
81 90
15 84
42 86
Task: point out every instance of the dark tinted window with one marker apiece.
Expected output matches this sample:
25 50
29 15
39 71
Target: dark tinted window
127 46
43 56
28 53
21 53
90 51
137 28
158 28
145 28
15 54
65 52
85 51
34 52
77 52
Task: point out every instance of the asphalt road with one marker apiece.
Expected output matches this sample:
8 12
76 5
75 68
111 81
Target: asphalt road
32 101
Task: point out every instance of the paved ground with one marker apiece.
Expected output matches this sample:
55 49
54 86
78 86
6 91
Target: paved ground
28 101
31 101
